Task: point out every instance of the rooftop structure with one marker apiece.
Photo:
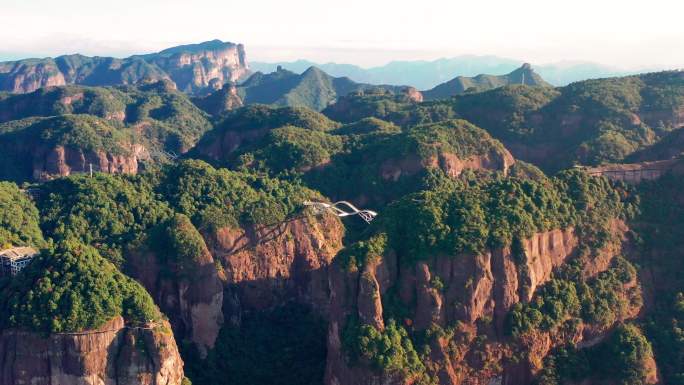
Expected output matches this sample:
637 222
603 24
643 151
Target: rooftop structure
13 260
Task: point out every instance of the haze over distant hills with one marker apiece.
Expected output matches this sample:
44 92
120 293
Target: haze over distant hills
493 259
427 74
194 68
461 84
313 88
205 67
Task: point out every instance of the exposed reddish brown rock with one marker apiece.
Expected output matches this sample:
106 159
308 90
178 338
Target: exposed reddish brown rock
22 77
393 169
113 354
637 172
230 141
210 67
493 160
369 303
50 162
198 68
451 164
243 269
673 117
475 292
193 301
413 94
268 265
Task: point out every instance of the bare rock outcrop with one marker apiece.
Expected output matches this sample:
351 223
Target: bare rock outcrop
451 164
195 68
265 266
50 162
205 66
638 172
242 269
113 354
413 94
191 297
25 76
471 294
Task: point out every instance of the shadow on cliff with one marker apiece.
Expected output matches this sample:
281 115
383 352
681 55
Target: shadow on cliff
249 307
278 345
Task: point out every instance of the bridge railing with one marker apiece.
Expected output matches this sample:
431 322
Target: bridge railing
342 209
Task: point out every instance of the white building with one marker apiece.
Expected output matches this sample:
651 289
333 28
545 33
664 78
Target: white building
14 259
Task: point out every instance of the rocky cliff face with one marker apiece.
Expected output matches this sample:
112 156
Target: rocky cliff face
206 66
451 164
638 172
474 295
29 75
192 301
243 269
111 355
196 68
58 161
271 265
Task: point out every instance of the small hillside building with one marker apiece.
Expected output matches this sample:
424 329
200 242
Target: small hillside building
14 259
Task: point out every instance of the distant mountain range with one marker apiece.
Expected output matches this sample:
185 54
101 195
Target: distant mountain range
313 88
206 68
316 89
194 68
428 74
461 84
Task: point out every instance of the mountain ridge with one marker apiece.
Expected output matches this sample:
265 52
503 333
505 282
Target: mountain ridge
426 74
194 68
482 82
314 88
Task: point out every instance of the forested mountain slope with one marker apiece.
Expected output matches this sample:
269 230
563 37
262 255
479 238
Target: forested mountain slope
62 130
589 122
478 268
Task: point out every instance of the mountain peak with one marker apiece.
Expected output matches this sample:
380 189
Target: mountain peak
313 70
526 75
460 84
210 45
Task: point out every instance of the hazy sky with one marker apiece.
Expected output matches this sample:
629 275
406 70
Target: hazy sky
624 33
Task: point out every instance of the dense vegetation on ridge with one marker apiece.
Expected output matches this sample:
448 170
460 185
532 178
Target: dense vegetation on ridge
71 288
661 231
467 217
443 182
295 143
96 120
114 211
285 345
624 358
106 211
456 219
588 122
19 221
